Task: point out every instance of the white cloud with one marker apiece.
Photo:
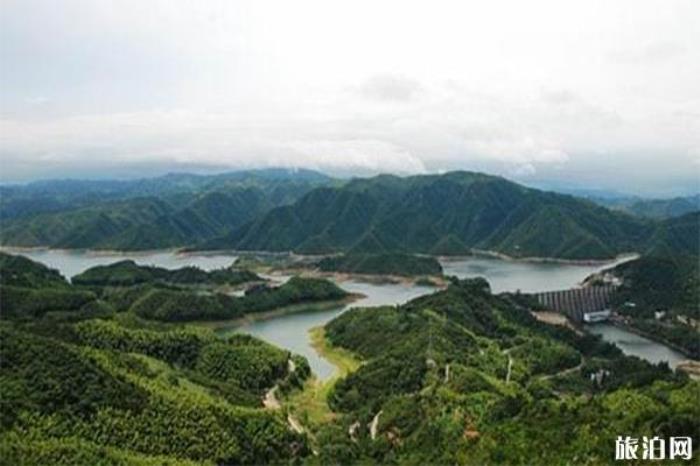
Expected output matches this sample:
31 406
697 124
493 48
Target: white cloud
391 88
546 90
648 53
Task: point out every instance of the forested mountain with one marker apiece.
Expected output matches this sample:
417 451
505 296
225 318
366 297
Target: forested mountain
86 380
660 296
306 212
442 214
96 375
170 211
676 236
129 273
653 208
382 264
462 376
29 290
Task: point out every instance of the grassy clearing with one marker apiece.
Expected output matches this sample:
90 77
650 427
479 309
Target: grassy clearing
344 360
310 405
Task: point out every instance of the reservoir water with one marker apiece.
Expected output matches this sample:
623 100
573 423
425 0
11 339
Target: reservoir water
72 262
637 345
291 331
531 277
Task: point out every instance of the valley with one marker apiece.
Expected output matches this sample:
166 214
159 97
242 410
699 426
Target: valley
289 328
244 233
330 329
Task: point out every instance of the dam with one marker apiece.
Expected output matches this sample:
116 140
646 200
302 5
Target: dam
587 304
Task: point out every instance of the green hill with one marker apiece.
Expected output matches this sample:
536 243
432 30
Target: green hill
112 394
464 377
438 214
127 273
151 293
676 236
20 271
653 208
156 213
459 376
306 212
667 284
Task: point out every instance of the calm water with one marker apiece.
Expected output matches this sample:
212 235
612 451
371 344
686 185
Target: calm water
291 331
71 263
533 277
635 345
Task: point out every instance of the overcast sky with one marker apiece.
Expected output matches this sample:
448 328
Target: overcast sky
600 94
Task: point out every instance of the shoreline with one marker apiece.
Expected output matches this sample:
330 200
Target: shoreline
373 279
184 251
344 361
91 252
655 339
620 258
318 306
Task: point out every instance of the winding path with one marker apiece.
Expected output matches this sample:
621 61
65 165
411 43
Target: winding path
374 425
272 402
510 367
565 371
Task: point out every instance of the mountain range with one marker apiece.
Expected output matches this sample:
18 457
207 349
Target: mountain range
170 211
652 208
308 212
456 213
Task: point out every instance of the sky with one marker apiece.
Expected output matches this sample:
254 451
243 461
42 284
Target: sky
580 94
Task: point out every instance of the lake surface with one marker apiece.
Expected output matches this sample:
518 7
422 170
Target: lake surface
636 345
291 331
73 262
531 277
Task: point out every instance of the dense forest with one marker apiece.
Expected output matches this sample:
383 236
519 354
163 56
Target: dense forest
666 285
453 214
653 208
465 377
29 289
128 273
176 305
84 381
382 264
307 212
170 211
97 374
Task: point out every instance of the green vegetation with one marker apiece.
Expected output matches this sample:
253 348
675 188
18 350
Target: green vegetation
84 381
305 212
654 208
29 290
128 273
382 264
22 272
176 305
310 404
662 284
109 393
465 377
147 292
345 361
165 212
95 373
451 214
676 237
